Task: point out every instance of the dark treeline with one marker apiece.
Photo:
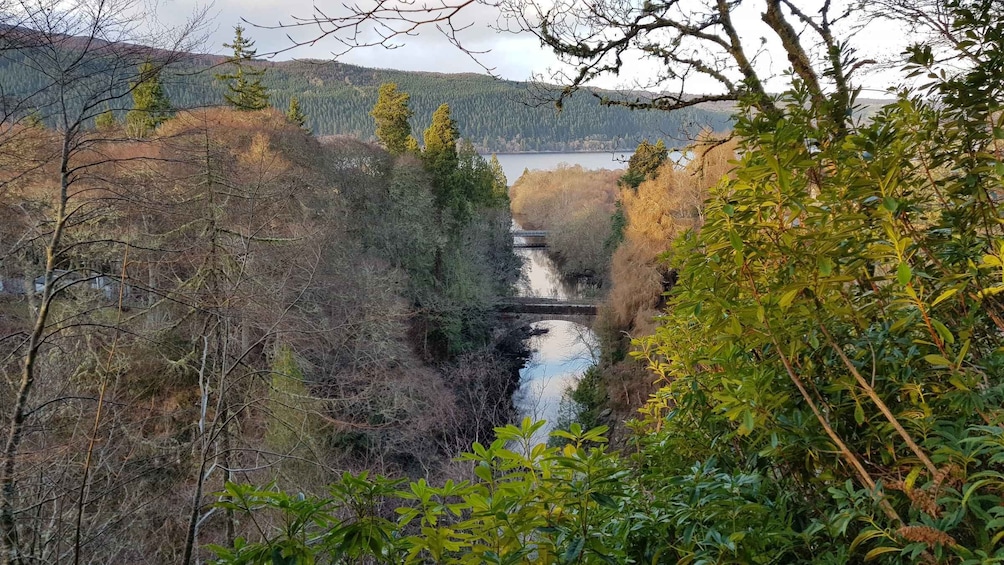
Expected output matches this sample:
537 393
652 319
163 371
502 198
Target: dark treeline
498 116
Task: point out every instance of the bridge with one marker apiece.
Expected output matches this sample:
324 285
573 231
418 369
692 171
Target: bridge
529 238
530 309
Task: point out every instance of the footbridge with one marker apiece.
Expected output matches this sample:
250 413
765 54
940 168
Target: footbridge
529 238
531 309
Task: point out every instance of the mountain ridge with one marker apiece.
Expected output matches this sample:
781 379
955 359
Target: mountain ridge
495 115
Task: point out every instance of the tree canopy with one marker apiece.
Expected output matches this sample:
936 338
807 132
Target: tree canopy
295 114
391 114
244 87
150 104
645 162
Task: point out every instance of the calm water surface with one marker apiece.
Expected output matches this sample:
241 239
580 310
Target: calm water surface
515 163
560 355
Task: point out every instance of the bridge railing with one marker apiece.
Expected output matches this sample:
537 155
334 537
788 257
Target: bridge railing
529 233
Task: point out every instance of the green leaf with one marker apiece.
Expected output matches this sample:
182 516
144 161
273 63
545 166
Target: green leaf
879 551
865 536
736 241
747 424
574 549
859 413
943 331
937 360
825 266
603 500
788 297
904 273
944 296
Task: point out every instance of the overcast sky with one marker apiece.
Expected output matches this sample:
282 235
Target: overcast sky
514 57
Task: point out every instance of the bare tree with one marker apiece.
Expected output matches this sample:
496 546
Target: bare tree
85 56
693 42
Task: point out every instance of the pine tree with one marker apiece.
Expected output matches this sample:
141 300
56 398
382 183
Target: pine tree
440 156
295 115
441 137
244 88
391 113
34 119
150 104
411 145
500 185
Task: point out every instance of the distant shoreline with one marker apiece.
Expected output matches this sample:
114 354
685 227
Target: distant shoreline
489 154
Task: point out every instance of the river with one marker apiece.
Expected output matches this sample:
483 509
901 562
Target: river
561 353
564 350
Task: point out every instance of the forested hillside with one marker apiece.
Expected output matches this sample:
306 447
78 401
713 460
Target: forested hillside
187 297
497 116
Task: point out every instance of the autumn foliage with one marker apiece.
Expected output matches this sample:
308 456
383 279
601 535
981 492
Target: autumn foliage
234 297
574 205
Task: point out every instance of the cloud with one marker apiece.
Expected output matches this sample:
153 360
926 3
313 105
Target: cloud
511 56
514 57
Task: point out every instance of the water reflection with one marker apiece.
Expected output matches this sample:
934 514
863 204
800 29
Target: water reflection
540 277
560 356
561 352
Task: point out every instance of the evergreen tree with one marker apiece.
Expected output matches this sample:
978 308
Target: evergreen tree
105 120
441 137
645 162
500 185
440 156
411 145
391 113
295 115
245 90
150 104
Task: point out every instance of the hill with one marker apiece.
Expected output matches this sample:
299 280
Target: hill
496 115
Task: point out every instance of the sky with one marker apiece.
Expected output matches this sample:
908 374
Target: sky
510 56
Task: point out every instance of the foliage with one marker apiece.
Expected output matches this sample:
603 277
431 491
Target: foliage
837 317
150 106
500 184
272 323
644 163
391 114
829 359
618 222
294 424
295 114
570 202
243 84
496 115
105 120
526 504
440 156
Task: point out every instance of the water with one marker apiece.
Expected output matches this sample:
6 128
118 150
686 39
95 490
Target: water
560 355
540 277
513 164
